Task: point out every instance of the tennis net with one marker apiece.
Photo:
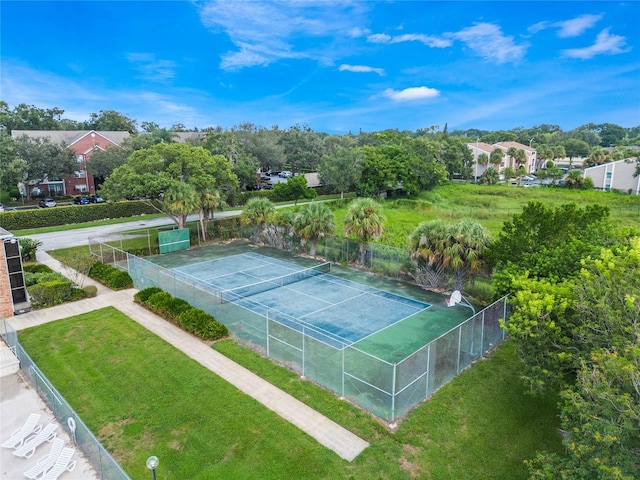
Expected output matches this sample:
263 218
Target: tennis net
266 285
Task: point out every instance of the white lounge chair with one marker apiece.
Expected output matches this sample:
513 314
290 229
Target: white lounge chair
48 461
28 448
30 426
63 464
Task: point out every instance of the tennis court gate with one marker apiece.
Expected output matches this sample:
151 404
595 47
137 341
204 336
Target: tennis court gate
388 390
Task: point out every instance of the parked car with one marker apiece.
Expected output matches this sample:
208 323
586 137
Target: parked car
80 200
286 174
47 202
96 199
268 186
264 177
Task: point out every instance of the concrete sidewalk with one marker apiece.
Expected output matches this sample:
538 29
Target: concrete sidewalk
344 443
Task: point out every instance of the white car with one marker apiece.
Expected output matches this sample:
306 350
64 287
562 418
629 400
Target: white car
286 174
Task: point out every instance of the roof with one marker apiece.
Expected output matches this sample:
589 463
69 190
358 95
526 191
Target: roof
182 137
69 137
313 179
602 165
508 145
482 146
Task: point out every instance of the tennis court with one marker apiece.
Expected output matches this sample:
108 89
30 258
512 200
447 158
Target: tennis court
325 306
384 344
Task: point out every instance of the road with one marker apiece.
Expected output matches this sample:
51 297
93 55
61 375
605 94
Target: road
79 236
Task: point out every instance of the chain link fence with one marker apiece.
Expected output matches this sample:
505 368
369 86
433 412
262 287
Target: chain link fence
388 390
99 458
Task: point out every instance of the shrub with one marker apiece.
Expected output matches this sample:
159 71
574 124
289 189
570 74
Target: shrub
159 303
53 292
65 215
91 291
176 310
143 295
111 277
28 248
37 268
202 324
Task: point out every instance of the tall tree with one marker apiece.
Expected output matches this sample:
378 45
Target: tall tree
29 117
548 242
150 172
312 222
302 148
340 168
42 159
110 120
365 222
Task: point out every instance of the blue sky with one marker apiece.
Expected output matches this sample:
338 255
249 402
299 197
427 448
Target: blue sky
335 66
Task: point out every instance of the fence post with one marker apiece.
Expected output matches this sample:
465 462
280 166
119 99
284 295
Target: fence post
427 375
393 394
459 348
342 392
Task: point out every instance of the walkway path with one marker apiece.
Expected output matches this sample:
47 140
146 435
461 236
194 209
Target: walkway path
328 433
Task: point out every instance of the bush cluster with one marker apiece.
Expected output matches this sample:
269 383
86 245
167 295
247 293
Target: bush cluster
47 289
110 276
66 215
180 313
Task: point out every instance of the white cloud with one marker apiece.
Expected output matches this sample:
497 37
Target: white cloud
488 41
357 32
577 26
361 69
605 44
151 68
265 32
537 27
429 41
411 94
568 28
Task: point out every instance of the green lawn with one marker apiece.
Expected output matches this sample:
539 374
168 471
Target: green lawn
143 397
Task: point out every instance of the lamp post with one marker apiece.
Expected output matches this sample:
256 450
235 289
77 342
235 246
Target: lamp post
152 463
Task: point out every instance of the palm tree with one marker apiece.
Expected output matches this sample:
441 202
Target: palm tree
483 159
258 211
465 258
496 157
438 247
520 157
427 244
512 152
489 176
313 222
210 200
364 221
181 199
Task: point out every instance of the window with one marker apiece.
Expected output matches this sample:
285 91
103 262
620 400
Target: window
79 158
609 174
79 174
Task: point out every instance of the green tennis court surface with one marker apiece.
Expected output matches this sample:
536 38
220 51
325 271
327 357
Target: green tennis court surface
397 332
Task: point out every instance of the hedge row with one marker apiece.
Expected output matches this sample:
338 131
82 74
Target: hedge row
65 215
180 313
47 288
111 277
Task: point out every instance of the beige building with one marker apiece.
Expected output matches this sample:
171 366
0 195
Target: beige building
478 148
615 176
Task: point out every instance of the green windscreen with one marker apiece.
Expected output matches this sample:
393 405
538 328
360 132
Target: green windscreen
174 240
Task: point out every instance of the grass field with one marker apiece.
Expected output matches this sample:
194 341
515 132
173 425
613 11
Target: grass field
490 205
141 397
